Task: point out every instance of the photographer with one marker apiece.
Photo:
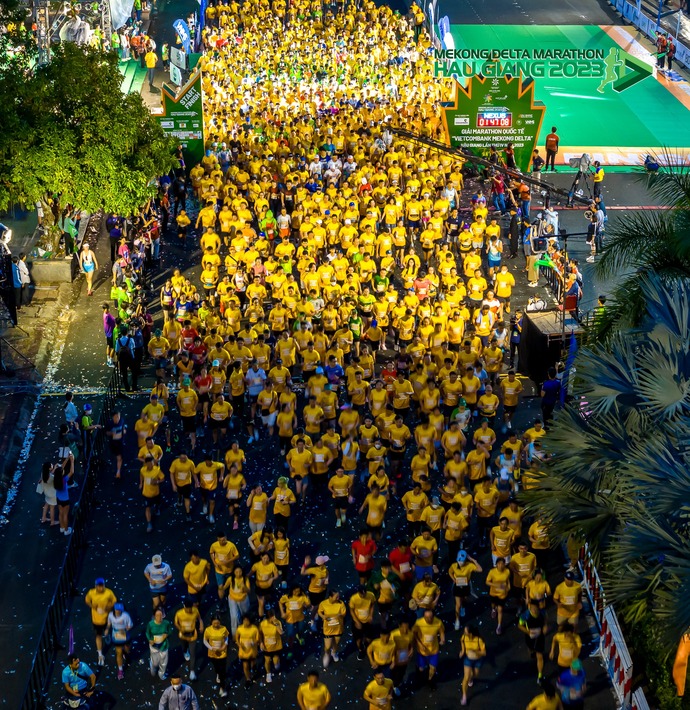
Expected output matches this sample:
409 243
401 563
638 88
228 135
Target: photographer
533 247
79 681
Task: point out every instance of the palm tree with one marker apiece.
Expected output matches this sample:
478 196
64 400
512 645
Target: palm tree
619 475
646 242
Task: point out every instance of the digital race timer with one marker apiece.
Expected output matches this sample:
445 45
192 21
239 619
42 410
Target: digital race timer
496 118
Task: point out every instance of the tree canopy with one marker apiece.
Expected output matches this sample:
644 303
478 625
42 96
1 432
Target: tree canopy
620 472
69 130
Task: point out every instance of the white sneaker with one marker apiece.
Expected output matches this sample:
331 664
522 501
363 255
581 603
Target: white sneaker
336 657
211 519
217 679
204 510
590 259
101 659
534 284
67 532
456 625
223 693
269 678
187 656
509 425
338 523
192 675
326 660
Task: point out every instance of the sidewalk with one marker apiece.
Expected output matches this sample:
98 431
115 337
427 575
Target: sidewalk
65 339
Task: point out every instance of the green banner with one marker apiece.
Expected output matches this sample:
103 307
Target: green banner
495 112
183 117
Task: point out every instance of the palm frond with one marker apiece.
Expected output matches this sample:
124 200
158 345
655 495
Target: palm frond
620 468
608 376
671 184
648 570
638 240
668 308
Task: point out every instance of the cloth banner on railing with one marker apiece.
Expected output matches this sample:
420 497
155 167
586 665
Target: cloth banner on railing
120 12
616 657
592 585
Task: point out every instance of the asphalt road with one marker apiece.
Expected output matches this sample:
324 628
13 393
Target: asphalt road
120 549
527 12
31 555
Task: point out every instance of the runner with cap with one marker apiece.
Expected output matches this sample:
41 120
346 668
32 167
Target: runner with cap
88 428
118 627
568 599
460 573
572 684
158 574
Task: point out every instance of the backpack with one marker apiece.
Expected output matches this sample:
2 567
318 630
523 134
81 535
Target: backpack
124 354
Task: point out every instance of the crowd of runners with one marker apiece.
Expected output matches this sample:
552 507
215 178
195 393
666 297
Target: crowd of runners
353 310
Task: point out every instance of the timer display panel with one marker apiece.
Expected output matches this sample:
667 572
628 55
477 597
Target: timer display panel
498 118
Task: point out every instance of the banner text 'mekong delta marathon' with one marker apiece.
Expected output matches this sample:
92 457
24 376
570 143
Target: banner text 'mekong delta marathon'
513 83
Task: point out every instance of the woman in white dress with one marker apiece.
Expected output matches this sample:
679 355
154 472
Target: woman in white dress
47 488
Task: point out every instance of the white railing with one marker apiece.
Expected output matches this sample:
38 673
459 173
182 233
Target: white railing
612 647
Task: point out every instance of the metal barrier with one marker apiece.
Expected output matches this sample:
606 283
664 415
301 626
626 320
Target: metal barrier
612 647
554 280
592 585
632 12
54 620
639 702
614 652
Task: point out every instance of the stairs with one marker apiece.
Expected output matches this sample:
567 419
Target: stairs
133 77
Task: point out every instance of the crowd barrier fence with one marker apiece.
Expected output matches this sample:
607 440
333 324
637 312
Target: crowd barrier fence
612 646
54 620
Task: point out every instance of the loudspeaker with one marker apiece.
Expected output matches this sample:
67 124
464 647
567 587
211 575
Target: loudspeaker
541 344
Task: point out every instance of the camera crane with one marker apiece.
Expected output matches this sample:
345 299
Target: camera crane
546 189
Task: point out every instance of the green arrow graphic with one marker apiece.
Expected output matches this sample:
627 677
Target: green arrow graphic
638 71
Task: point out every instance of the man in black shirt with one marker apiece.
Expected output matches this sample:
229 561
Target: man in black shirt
533 624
